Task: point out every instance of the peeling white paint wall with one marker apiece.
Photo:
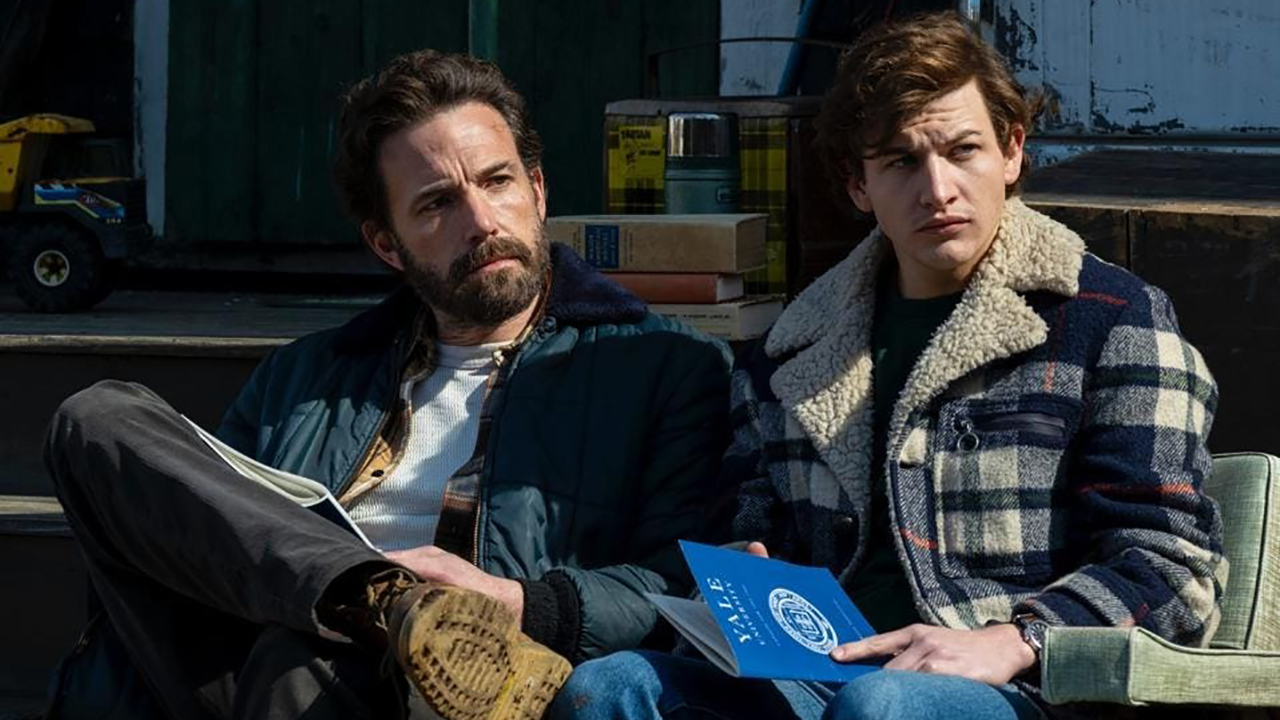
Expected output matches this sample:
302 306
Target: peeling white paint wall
151 102
755 68
1206 68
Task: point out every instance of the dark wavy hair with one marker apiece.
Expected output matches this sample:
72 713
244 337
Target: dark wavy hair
411 89
894 70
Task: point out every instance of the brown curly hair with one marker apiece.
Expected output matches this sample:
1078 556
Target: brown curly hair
411 89
894 70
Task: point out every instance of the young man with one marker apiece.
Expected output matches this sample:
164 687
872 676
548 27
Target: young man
521 438
981 429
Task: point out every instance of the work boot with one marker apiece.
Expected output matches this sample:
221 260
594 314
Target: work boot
464 652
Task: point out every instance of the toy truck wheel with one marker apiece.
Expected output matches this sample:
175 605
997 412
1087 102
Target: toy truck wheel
57 268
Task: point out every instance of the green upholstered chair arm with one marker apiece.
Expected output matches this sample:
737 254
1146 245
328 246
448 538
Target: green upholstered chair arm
1132 666
1241 667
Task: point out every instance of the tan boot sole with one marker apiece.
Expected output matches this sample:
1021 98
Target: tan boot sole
538 674
468 658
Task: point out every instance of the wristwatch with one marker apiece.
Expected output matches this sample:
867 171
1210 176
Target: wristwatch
1033 630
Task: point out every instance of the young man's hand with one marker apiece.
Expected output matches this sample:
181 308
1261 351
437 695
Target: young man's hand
994 654
431 564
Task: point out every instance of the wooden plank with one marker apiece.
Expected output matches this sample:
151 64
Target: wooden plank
306 53
1221 268
569 59
31 515
1263 208
253 109
675 23
1220 271
209 182
392 27
42 505
1141 179
164 321
133 345
562 59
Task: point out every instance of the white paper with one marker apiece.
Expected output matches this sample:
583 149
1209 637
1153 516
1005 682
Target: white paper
694 620
304 491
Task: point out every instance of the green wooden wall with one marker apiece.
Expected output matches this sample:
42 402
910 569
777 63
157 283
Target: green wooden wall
571 60
253 88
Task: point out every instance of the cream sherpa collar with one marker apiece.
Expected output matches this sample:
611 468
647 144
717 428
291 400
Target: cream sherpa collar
827 384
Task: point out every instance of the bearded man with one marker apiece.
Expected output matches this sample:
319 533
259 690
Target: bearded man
520 438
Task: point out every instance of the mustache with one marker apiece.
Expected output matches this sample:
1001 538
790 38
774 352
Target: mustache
499 248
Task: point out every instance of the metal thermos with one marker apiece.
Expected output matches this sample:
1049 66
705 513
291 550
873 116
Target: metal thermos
702 173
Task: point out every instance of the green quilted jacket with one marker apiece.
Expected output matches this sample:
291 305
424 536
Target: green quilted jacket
601 452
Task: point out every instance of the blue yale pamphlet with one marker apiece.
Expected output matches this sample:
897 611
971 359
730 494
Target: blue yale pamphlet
765 618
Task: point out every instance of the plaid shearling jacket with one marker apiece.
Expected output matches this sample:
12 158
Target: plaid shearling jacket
1046 453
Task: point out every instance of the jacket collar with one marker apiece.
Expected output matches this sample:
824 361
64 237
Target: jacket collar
582 296
827 383
579 296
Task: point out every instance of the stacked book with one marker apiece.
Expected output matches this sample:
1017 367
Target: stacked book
687 266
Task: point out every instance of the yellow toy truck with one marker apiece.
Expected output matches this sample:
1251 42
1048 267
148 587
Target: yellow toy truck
68 211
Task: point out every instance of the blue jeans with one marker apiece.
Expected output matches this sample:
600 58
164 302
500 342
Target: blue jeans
641 685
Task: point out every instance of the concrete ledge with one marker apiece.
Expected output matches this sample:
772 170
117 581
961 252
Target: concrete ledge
32 515
169 346
202 324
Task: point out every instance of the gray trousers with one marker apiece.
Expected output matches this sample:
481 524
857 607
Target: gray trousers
209 581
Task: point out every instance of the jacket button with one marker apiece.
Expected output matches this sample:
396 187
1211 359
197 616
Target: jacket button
842 524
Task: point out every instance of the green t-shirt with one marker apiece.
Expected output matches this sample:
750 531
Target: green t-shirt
900 332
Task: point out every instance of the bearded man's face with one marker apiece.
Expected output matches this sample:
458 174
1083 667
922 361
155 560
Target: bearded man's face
465 216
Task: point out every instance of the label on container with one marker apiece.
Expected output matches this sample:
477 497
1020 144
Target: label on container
641 148
600 246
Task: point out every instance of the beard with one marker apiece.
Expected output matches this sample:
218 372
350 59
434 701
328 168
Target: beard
489 299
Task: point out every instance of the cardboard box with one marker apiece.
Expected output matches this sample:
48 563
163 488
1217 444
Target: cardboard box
741 319
665 243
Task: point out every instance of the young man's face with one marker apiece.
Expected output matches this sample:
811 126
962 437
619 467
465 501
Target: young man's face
938 191
466 218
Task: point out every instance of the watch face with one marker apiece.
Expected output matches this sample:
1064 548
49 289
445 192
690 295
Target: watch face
1034 631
